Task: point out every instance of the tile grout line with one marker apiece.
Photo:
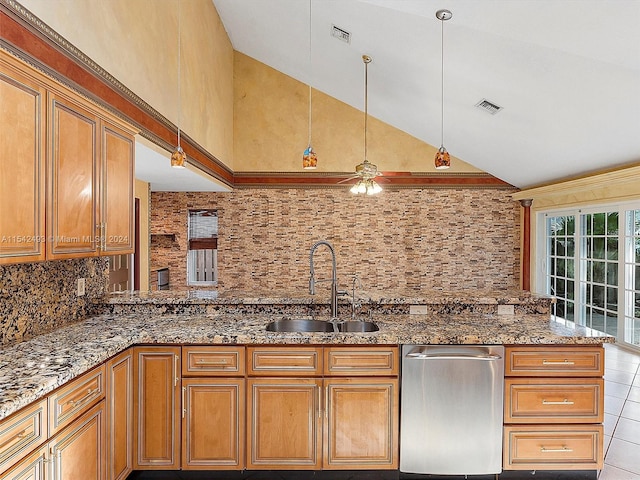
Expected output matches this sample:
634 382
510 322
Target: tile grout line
613 431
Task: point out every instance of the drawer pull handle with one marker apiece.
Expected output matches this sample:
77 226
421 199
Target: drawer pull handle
176 360
563 402
16 438
556 450
202 361
184 401
90 393
553 362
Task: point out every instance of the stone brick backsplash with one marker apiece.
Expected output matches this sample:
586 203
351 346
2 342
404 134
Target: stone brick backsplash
400 240
38 297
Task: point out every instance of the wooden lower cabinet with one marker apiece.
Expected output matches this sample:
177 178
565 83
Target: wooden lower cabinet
119 415
78 451
32 467
213 420
285 429
553 447
553 408
344 417
361 423
157 415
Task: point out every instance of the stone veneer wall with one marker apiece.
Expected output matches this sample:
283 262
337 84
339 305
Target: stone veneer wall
38 297
400 240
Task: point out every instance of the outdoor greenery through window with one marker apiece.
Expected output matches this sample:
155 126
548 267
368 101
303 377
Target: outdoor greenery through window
202 261
593 269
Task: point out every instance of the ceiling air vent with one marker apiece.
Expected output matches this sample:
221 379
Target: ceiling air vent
340 34
487 106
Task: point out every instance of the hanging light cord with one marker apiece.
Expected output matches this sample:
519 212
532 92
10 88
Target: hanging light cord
310 68
366 102
179 104
442 83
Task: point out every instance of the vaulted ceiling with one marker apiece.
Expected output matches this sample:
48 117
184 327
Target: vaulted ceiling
565 72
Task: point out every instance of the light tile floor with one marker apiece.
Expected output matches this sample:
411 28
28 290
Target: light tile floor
621 414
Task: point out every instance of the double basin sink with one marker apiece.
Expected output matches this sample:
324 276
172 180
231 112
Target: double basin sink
308 325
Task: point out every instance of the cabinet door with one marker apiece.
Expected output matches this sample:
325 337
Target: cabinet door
32 467
78 451
361 423
119 449
157 408
213 423
21 168
284 423
117 191
72 168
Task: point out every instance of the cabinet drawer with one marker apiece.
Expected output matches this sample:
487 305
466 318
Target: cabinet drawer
74 398
578 447
549 361
361 361
284 361
548 400
21 433
219 361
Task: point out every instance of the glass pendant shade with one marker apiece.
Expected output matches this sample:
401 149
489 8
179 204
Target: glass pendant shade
178 158
443 159
309 159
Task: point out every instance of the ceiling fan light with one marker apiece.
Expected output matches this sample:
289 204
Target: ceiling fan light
374 188
178 158
309 159
443 159
354 188
362 187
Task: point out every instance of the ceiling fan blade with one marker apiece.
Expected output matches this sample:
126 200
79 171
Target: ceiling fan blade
352 177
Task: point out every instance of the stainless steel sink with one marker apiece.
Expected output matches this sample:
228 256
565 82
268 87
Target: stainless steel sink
355 327
308 325
300 325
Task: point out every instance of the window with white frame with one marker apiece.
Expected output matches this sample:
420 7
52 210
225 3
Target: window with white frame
592 267
202 257
631 310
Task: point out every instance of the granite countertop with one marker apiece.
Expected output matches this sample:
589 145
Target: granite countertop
31 369
233 297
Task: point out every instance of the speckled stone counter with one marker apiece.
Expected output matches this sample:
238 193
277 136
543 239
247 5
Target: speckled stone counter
31 369
301 303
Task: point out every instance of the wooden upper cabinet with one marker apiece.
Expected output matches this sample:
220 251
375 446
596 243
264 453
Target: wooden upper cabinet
66 171
73 181
117 202
22 179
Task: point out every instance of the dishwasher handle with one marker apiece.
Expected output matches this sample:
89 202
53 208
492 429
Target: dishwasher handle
421 354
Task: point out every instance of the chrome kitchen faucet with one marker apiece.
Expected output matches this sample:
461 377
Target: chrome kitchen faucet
334 279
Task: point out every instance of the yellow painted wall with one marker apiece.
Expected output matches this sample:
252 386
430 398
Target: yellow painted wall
616 186
141 191
136 41
271 129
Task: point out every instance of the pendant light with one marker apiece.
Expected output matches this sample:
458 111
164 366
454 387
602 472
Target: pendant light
366 170
309 157
443 159
178 157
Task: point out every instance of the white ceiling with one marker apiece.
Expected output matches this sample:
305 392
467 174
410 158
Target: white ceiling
567 73
153 165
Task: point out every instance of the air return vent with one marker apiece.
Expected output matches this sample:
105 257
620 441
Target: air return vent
488 106
340 34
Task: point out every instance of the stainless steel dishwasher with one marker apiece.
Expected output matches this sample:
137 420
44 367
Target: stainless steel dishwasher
451 409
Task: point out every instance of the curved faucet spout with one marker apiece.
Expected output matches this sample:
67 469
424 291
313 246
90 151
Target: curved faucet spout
334 279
